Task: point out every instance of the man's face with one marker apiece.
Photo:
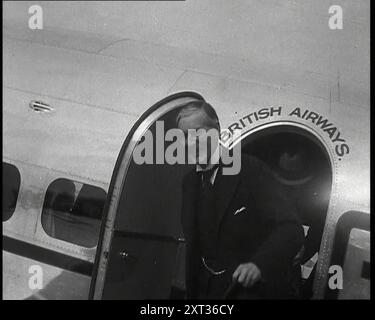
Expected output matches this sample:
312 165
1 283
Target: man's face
201 138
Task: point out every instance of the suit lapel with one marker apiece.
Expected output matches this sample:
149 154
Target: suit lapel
225 187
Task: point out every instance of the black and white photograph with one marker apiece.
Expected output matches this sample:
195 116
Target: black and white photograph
189 150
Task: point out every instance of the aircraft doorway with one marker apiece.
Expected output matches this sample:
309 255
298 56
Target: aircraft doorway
141 251
301 165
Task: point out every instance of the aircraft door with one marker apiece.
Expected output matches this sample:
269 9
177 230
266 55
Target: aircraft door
141 249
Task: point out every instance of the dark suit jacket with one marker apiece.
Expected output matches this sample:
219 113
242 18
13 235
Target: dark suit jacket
267 233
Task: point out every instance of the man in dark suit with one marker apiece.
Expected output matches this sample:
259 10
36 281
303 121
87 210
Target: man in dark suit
241 232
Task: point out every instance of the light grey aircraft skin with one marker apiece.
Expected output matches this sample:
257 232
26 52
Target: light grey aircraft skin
73 91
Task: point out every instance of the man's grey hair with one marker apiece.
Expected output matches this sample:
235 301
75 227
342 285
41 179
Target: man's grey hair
188 108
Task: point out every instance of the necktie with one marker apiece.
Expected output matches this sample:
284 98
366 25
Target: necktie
206 214
206 177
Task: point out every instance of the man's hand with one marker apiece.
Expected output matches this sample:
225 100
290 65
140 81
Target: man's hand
247 274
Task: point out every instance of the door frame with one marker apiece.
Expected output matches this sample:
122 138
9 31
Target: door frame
326 244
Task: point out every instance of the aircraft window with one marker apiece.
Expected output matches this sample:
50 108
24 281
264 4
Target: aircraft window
351 251
72 212
11 187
